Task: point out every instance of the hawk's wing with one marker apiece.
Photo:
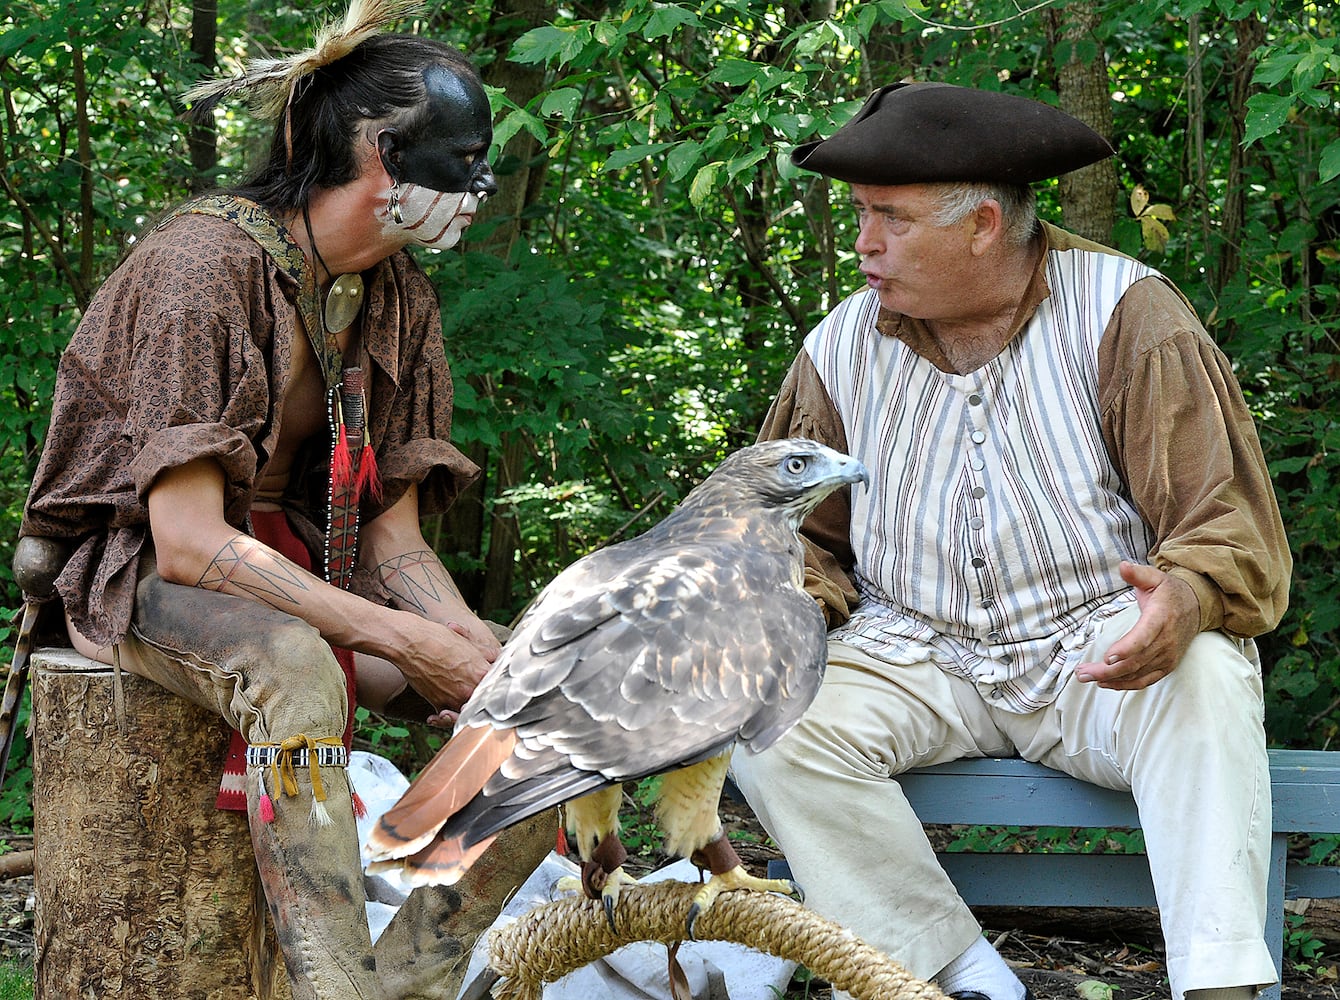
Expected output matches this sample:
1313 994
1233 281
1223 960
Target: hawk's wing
641 658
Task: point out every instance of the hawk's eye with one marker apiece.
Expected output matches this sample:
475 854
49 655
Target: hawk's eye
795 465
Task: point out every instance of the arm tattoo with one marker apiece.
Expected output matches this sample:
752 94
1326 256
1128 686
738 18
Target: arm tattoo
268 577
417 579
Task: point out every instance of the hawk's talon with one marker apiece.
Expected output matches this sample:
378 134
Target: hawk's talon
609 892
736 878
694 910
795 892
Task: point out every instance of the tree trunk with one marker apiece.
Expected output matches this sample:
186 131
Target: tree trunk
1088 195
203 138
1251 33
143 888
521 164
88 230
504 534
520 169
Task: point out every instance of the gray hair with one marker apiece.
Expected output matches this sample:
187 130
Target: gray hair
956 200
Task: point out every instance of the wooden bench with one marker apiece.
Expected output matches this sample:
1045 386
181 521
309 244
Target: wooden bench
1305 788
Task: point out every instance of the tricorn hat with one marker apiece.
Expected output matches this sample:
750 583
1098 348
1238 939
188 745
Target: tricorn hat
916 133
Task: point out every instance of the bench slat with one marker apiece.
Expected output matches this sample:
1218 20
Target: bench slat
1305 789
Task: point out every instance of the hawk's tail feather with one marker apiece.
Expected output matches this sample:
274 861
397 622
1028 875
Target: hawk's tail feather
444 787
486 817
442 862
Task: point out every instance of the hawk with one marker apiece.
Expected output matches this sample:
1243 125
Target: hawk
654 656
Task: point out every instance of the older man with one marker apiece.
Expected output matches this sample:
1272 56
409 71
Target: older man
262 373
1069 541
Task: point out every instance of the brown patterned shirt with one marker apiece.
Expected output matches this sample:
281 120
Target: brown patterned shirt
184 353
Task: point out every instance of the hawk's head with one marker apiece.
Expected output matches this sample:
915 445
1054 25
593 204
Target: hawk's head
791 474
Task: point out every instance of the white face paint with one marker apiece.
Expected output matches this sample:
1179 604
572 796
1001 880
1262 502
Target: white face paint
430 218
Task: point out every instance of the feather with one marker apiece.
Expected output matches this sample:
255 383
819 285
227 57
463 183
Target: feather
451 779
269 82
442 862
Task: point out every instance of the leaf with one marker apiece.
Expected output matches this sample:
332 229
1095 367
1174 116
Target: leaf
563 102
1275 68
539 45
1266 113
1092 989
666 18
704 182
736 72
738 163
1330 161
1155 233
513 123
682 159
621 158
1139 199
1164 212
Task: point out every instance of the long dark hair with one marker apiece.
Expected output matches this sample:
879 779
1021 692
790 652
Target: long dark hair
314 145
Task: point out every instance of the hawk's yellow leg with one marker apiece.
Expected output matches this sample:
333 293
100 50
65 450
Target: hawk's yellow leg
593 820
687 810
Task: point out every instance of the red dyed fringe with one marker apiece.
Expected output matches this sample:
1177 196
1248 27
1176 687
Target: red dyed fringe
341 463
369 481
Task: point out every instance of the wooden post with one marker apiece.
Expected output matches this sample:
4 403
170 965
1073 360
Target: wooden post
143 888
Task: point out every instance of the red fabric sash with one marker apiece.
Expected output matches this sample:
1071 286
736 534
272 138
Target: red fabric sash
272 528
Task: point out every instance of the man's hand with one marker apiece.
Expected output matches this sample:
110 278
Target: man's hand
1152 649
443 663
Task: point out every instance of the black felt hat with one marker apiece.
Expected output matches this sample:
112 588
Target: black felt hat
915 133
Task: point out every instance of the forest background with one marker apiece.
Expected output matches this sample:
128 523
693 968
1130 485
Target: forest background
621 313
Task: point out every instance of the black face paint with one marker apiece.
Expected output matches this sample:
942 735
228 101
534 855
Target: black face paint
449 152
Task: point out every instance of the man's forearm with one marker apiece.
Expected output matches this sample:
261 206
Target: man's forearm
418 582
245 567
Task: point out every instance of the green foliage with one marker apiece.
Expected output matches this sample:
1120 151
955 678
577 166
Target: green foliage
376 731
1302 949
1306 68
639 833
980 839
1322 850
1093 989
16 981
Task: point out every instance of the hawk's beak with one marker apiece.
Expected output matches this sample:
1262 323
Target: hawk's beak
851 471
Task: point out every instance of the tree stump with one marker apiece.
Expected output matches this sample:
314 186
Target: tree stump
143 888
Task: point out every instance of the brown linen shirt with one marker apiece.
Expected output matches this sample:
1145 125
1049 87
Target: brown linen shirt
184 353
1175 424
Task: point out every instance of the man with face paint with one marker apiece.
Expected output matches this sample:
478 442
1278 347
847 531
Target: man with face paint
248 424
441 174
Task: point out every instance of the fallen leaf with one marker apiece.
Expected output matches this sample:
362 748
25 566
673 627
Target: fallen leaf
1092 989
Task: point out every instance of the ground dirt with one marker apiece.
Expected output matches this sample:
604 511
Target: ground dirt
1120 949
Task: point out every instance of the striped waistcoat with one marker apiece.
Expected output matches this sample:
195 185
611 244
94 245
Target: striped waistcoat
989 539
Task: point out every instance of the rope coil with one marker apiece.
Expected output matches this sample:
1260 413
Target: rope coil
550 941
